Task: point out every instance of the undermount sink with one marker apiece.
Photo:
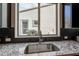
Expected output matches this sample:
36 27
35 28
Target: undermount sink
38 48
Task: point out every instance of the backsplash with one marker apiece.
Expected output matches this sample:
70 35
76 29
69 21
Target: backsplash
66 34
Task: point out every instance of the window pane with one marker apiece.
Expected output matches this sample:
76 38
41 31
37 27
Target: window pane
28 19
35 23
24 31
25 24
44 4
3 15
26 6
48 19
67 13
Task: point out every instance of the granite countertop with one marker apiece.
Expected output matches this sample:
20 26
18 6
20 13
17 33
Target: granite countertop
17 49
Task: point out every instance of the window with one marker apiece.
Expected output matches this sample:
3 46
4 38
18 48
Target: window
3 15
48 19
42 17
24 26
29 13
35 23
68 15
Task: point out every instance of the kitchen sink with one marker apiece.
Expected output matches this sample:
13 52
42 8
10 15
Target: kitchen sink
39 48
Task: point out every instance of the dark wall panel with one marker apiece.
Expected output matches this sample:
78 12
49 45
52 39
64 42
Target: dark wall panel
9 15
0 15
75 15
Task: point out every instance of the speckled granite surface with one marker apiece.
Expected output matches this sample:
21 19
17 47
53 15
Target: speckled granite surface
17 49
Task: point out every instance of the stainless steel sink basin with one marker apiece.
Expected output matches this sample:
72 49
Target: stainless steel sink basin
38 48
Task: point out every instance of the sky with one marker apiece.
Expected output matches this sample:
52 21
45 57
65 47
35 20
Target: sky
27 5
67 11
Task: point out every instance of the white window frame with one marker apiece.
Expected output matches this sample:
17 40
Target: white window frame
58 15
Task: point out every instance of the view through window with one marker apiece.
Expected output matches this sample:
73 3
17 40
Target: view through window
48 19
68 15
29 12
28 19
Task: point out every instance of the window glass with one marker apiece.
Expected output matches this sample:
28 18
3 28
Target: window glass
35 23
34 17
67 13
29 12
48 19
24 26
26 6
